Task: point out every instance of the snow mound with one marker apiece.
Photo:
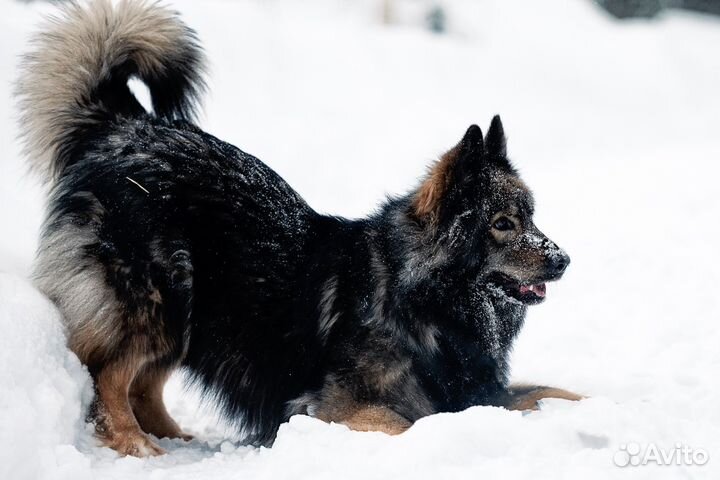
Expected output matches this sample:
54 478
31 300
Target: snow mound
45 388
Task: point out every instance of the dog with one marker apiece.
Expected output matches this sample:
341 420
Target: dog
164 247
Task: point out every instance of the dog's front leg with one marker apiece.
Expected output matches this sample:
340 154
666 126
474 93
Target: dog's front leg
527 397
364 417
372 418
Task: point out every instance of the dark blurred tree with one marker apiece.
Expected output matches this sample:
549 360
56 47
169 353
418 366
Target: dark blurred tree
704 6
650 8
436 19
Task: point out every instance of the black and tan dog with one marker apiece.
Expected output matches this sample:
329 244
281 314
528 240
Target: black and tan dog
165 247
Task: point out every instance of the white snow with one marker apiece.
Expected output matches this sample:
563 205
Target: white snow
615 127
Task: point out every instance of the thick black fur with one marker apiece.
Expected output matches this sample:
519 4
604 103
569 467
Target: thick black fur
260 257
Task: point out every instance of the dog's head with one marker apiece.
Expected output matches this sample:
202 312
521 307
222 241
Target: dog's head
476 205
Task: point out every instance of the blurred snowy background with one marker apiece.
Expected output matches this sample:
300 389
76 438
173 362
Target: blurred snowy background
614 124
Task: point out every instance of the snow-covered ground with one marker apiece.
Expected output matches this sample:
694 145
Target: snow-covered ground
615 126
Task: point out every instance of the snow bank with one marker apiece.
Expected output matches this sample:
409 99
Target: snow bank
44 386
613 125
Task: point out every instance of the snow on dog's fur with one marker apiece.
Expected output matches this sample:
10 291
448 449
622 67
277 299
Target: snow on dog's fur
164 246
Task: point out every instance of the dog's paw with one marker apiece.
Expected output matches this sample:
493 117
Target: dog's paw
530 398
178 434
136 445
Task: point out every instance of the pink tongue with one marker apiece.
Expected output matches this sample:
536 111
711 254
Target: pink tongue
538 289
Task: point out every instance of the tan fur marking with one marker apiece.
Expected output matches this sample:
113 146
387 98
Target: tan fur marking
156 297
373 418
428 197
338 406
116 423
146 399
530 396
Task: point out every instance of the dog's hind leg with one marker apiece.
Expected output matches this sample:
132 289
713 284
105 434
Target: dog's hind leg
146 399
527 397
115 422
146 391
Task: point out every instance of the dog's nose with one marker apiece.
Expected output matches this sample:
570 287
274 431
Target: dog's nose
558 263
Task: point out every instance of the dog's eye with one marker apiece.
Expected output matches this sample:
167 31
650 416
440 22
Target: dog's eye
503 224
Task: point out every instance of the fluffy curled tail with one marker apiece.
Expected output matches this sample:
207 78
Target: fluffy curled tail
75 78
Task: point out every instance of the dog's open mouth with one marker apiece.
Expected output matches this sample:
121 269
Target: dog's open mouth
531 293
528 294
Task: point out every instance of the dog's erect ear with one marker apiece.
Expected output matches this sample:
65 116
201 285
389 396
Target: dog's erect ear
464 159
472 143
495 140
